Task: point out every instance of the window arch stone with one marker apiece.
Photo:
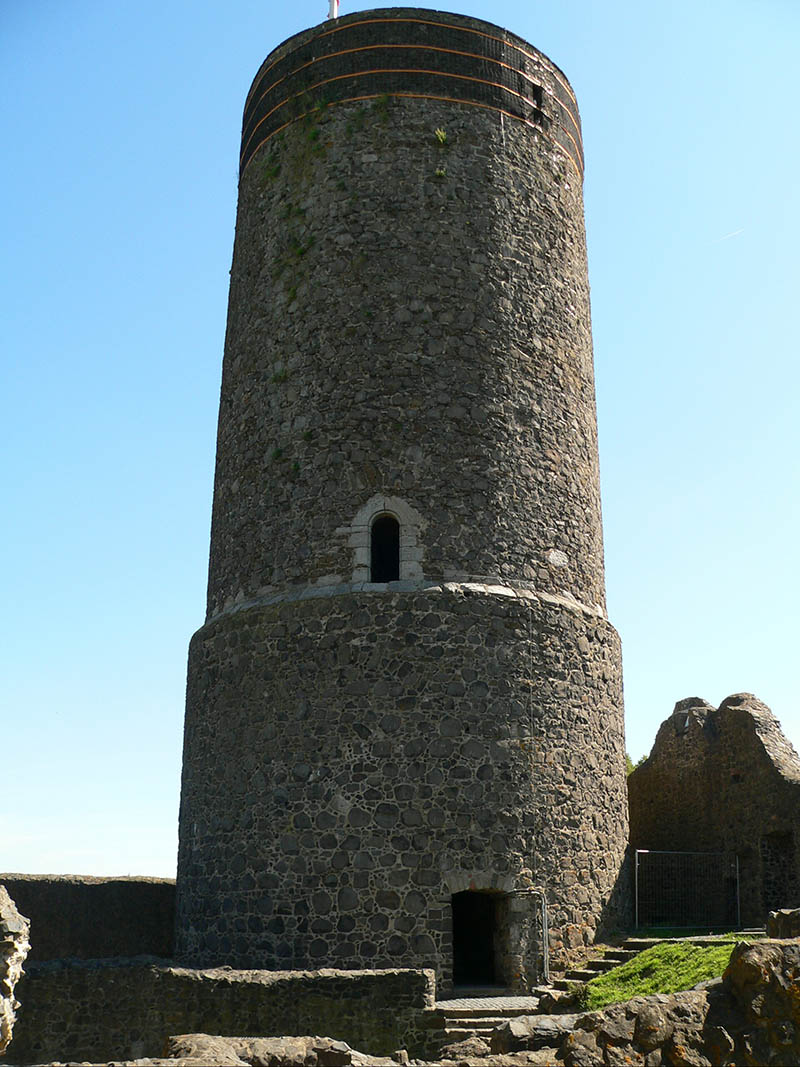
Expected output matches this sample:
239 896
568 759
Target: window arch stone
359 533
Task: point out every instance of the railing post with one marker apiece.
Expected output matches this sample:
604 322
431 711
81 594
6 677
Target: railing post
636 889
545 942
738 898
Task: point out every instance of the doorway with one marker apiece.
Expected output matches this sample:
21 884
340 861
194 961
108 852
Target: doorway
478 950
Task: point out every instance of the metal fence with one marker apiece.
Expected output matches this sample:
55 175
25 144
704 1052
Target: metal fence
687 889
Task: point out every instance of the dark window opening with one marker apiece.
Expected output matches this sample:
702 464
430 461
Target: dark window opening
385 549
475 933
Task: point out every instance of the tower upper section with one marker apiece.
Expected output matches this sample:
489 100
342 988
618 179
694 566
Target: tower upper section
411 54
409 329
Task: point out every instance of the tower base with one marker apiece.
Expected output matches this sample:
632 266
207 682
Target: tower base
361 766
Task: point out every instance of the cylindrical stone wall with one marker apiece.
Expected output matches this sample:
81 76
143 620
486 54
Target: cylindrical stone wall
408 334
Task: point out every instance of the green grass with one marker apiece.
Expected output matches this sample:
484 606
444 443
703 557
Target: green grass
660 969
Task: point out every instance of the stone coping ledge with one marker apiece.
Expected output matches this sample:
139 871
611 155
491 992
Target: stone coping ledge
265 977
231 974
479 585
99 963
83 879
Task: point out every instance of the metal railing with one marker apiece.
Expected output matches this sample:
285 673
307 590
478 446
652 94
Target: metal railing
687 889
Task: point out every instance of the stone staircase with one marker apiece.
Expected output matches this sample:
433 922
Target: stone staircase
631 947
612 958
477 1012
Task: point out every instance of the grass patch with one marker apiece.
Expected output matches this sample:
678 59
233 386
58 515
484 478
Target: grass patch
660 969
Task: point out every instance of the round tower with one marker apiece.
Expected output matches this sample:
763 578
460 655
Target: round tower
404 726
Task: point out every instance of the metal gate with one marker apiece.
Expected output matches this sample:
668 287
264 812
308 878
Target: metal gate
687 889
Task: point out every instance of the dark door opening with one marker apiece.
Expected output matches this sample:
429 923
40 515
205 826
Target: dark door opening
474 936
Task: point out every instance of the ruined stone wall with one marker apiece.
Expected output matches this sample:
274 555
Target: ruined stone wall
409 333
725 780
101 1010
87 917
14 946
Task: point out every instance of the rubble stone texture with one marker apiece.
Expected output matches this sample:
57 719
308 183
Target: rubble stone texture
748 1018
95 1010
14 945
89 918
408 334
725 780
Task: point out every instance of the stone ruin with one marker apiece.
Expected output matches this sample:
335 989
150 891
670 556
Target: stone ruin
748 1018
725 781
14 945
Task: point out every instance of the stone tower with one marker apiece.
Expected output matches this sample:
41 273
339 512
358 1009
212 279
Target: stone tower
404 724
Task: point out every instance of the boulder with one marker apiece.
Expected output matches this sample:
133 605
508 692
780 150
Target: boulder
473 1047
528 1032
764 981
784 923
270 1052
215 1051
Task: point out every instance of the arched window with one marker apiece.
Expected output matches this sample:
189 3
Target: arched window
373 534
385 549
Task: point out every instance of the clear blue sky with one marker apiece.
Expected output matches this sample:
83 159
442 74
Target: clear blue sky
120 135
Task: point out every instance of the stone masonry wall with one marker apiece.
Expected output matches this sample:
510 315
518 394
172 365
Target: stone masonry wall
409 316
725 780
88 918
374 754
126 1009
408 332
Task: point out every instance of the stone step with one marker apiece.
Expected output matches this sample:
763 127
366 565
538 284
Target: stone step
457 1018
475 1026
451 1036
580 974
603 965
481 1017
564 985
482 992
620 955
639 944
477 1013
613 957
